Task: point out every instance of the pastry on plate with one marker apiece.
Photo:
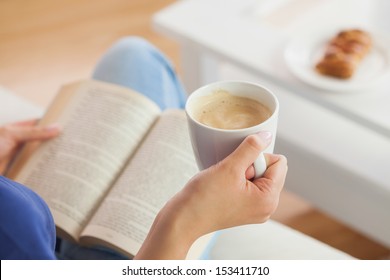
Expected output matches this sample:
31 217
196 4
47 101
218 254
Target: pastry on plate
344 52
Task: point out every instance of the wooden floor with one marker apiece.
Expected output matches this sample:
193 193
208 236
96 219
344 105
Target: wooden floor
45 43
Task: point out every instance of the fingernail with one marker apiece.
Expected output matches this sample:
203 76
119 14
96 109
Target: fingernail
266 136
53 127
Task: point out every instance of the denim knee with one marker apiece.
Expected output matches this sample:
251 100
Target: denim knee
138 50
133 44
135 63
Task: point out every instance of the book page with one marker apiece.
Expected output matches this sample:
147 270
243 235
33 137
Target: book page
102 125
160 168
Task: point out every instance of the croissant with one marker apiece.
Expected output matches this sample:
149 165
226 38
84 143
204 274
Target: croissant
344 52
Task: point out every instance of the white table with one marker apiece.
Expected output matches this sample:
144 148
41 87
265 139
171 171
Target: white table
337 144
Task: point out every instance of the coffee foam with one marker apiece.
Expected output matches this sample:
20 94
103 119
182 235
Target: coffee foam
226 111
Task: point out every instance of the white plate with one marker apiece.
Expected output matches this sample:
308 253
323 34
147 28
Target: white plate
303 52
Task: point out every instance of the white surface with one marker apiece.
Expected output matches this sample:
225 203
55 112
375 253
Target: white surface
14 108
233 31
305 51
270 241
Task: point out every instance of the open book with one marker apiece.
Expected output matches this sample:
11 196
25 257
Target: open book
118 160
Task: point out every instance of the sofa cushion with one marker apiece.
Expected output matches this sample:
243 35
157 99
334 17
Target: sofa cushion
270 241
14 108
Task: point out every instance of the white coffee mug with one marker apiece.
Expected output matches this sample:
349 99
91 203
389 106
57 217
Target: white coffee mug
211 145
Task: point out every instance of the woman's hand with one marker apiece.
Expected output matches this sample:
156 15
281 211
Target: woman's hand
12 136
219 197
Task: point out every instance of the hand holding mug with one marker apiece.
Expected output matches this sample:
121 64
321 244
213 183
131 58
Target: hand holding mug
218 197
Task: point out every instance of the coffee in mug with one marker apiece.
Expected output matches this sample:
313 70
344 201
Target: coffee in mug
224 110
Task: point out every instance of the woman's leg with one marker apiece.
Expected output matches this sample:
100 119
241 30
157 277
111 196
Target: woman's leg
133 62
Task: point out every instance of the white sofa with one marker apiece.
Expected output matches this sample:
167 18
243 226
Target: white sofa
270 240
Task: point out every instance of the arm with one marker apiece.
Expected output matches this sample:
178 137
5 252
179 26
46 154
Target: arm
219 197
27 228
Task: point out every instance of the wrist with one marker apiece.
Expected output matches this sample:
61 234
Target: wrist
169 236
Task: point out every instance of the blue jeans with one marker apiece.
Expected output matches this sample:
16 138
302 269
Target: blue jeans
131 62
135 63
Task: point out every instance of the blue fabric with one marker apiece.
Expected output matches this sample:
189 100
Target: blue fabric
27 228
71 251
135 63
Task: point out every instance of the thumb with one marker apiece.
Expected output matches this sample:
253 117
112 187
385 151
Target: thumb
248 151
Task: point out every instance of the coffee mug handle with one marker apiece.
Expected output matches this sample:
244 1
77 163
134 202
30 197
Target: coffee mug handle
260 166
